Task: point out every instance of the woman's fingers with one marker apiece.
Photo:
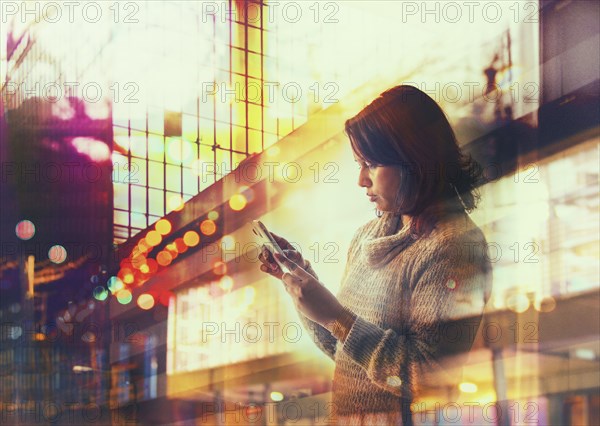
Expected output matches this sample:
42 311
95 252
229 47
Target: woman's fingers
288 249
294 256
265 256
283 243
267 261
296 271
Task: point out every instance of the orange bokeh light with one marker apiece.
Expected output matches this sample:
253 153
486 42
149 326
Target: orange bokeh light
142 246
138 261
126 263
164 258
163 226
125 270
180 245
152 266
191 238
145 301
153 238
220 268
208 227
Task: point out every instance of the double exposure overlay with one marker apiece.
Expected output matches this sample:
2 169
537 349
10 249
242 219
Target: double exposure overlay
140 139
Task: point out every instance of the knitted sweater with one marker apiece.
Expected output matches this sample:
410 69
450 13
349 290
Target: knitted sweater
405 291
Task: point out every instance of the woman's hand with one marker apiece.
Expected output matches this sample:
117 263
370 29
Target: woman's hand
268 263
310 296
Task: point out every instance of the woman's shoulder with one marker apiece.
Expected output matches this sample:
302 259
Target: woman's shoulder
456 230
458 226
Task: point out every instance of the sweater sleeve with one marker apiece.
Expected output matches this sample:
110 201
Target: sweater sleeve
450 286
319 334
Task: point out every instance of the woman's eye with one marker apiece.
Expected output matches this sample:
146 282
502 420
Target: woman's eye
367 165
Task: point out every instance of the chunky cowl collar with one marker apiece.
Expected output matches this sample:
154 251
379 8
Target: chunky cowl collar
386 239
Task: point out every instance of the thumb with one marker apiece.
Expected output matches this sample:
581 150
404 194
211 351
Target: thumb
295 269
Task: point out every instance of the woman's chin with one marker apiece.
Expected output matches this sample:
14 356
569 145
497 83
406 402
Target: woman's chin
382 207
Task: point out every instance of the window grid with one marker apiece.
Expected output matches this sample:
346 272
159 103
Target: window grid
216 133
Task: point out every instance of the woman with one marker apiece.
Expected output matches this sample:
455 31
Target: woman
414 273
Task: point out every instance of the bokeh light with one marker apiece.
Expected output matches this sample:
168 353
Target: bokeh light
25 230
545 304
115 284
95 149
143 246
191 238
57 254
247 192
124 296
276 396
180 245
138 261
100 293
152 266
226 283
468 387
128 278
145 301
178 151
518 302
163 226
153 238
237 202
219 268
213 215
164 258
228 242
175 203
172 248
208 227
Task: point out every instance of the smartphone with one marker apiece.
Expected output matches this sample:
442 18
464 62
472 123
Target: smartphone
268 241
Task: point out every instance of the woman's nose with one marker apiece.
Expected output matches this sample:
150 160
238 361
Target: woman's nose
363 179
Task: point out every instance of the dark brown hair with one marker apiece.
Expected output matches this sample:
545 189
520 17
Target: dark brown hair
404 127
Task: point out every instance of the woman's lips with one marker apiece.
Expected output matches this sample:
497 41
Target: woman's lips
372 197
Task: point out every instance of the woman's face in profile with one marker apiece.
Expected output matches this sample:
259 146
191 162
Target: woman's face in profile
381 183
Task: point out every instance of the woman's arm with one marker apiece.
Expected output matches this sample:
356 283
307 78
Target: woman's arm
449 287
319 334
